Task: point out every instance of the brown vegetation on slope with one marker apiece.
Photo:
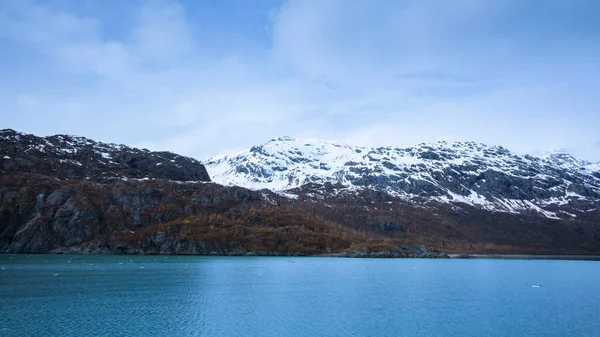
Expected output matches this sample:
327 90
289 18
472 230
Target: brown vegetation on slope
456 228
41 214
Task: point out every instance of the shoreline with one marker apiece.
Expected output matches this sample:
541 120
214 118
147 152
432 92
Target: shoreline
347 255
526 257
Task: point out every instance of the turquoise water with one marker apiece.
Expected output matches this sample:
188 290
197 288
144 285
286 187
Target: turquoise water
54 295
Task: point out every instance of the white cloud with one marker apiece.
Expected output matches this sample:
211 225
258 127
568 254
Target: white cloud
395 72
161 32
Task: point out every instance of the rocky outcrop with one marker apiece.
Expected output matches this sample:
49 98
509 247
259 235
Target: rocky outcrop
401 251
40 214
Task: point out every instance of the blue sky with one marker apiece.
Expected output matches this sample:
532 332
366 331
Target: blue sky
203 78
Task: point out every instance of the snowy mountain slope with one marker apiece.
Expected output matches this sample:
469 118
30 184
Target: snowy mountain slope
592 167
489 177
562 158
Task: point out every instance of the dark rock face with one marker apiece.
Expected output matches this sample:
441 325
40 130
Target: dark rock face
40 214
72 224
69 157
392 254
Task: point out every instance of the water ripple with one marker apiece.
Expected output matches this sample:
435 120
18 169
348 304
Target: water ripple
199 296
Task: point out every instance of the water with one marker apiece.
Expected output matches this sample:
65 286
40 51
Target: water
52 295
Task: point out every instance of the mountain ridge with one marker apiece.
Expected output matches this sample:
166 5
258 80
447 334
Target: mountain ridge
70 157
490 177
68 194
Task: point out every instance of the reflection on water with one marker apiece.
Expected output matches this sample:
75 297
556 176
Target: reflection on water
46 295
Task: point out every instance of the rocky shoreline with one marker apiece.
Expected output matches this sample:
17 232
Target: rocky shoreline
186 248
346 254
353 254
411 252
525 257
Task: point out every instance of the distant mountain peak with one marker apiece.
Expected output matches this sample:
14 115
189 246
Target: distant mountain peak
562 158
6 133
283 139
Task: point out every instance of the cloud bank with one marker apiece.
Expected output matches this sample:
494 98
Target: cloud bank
206 78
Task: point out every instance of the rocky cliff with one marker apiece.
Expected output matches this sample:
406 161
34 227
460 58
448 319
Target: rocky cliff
39 214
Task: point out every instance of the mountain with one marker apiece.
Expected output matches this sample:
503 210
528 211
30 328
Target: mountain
487 177
562 159
593 169
71 157
67 194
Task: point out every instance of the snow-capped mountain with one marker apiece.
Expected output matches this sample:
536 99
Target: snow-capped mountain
488 177
563 159
593 168
71 194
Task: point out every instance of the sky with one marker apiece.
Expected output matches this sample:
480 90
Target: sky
204 78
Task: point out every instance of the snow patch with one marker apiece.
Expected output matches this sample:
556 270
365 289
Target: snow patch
287 195
70 161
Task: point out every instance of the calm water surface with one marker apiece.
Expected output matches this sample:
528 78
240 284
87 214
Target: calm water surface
54 295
